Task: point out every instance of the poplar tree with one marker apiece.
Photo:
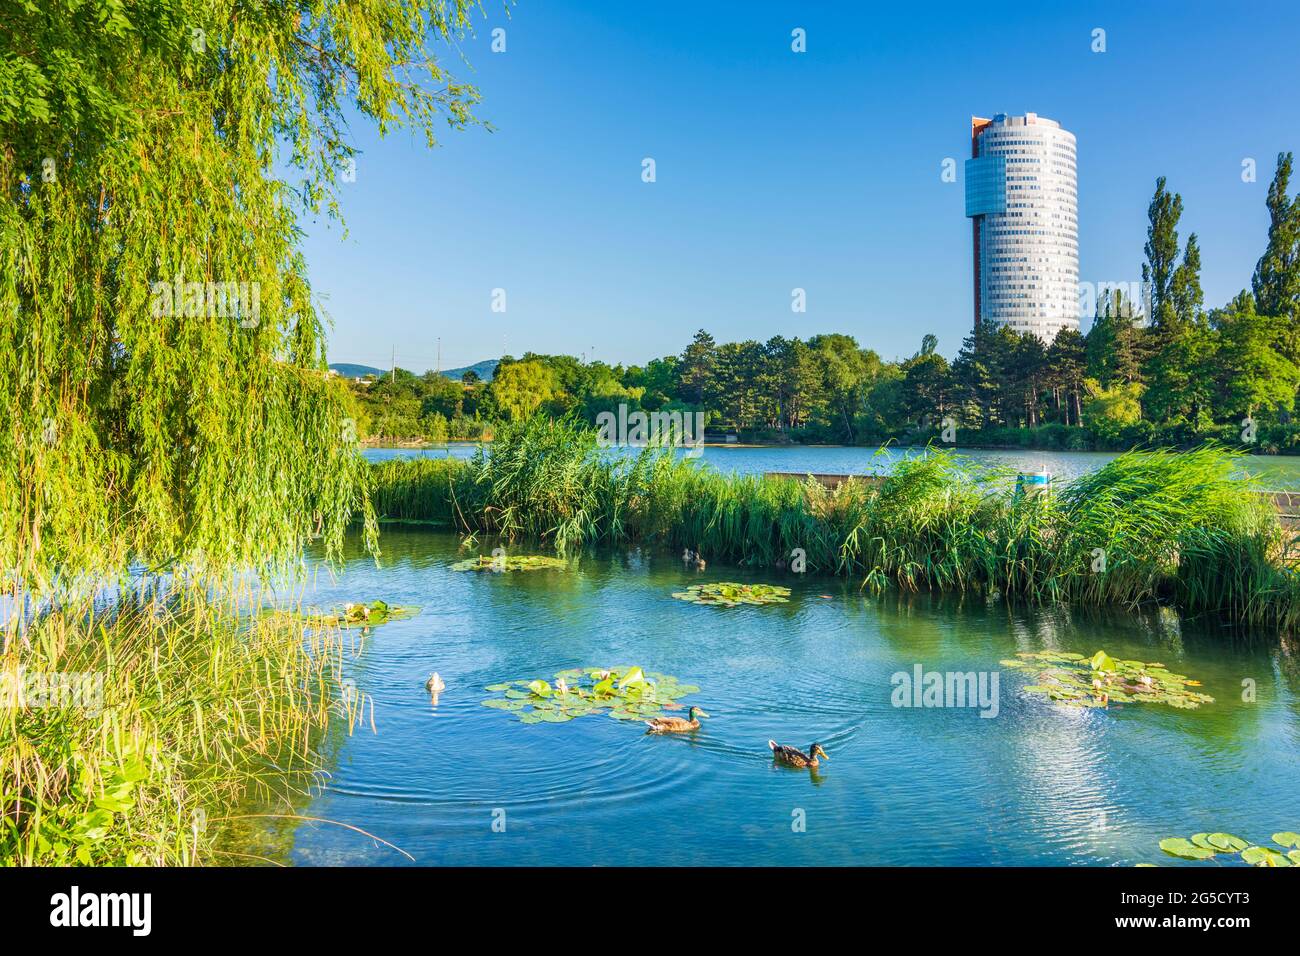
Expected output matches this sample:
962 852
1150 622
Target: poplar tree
1276 282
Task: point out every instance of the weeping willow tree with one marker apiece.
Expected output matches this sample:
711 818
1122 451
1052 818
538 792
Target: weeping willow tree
164 394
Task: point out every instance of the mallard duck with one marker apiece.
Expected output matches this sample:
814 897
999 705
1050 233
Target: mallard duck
434 684
676 725
797 758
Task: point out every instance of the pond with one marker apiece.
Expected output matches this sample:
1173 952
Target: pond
1033 784
1276 472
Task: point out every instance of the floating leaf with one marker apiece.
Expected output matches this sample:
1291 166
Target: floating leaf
513 562
623 693
1177 846
1227 842
357 615
1287 838
1073 680
1101 661
1203 846
731 594
1264 856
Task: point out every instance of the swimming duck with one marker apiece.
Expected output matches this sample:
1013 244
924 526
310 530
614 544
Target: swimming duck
797 758
434 684
693 559
676 725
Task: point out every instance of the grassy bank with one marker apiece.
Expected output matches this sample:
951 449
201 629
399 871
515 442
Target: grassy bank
143 728
1180 528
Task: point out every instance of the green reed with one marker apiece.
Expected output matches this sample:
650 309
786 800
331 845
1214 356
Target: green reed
201 708
1183 528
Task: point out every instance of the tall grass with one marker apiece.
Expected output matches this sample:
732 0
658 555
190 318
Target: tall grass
201 708
1182 528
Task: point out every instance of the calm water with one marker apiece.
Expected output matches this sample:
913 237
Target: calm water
1277 472
1033 785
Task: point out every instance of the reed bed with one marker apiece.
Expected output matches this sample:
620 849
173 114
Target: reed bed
1181 528
188 709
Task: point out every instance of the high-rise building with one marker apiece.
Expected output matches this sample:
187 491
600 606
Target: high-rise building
1022 199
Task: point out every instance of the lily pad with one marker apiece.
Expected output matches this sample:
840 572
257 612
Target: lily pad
1264 856
1204 846
731 594
511 562
623 692
1098 681
1186 849
360 615
1226 841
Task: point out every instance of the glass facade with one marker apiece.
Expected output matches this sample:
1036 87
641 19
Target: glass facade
1021 193
986 185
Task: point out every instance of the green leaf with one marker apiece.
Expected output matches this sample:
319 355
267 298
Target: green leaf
1226 841
1101 661
1177 846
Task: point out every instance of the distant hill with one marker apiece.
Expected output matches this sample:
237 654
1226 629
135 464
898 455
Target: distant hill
485 370
350 370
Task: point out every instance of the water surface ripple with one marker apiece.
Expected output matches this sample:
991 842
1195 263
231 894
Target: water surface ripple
904 786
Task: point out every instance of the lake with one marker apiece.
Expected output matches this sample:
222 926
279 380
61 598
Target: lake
1035 784
1276 472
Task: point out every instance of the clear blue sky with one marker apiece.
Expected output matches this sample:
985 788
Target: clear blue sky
779 170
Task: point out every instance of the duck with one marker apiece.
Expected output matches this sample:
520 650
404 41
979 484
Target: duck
434 685
676 725
693 559
797 758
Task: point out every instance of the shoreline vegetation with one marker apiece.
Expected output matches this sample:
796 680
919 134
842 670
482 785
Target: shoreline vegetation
203 445
1176 528
134 727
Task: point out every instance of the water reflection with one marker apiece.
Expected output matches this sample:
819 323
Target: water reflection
1036 784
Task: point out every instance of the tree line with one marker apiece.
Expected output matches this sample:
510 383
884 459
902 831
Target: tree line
1160 370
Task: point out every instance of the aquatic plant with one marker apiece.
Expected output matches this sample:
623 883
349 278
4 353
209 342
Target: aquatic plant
512 562
1073 680
622 693
1181 528
1213 846
730 594
177 711
360 615
419 489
